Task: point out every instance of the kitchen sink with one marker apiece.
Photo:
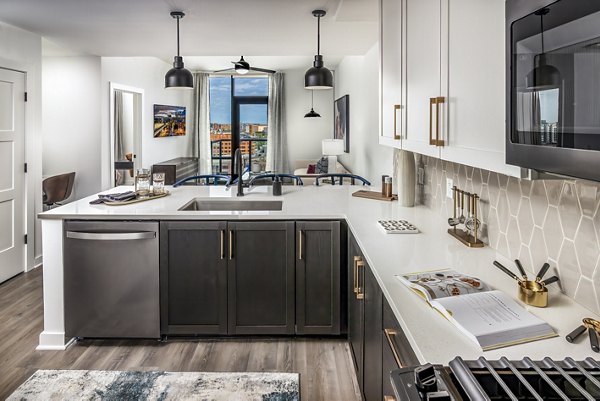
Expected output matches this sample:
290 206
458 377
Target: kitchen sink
199 204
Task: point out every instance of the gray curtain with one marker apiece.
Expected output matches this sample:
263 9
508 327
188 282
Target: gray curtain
119 141
201 123
277 155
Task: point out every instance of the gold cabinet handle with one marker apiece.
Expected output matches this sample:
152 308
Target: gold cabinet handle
222 244
432 102
396 108
355 274
389 398
359 289
230 244
299 244
388 335
439 100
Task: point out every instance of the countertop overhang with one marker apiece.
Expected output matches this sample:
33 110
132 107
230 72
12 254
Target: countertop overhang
433 338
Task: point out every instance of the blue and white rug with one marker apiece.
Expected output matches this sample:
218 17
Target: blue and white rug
124 386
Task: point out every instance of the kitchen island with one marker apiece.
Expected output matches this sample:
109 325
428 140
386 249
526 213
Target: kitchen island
431 337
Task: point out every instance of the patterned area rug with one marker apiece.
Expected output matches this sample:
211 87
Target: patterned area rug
125 386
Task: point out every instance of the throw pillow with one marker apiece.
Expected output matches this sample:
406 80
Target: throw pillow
322 166
310 169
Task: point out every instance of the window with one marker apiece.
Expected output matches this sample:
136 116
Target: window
238 118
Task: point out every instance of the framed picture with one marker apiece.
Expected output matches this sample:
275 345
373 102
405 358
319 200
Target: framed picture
169 121
341 121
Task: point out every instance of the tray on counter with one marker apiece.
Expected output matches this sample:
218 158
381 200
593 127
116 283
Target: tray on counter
374 195
138 200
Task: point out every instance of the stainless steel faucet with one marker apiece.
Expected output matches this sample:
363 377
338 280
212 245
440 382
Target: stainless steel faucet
240 171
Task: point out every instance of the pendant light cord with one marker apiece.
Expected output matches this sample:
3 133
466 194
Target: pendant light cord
542 30
178 36
312 99
318 36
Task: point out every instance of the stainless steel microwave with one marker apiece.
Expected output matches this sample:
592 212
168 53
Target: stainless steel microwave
553 86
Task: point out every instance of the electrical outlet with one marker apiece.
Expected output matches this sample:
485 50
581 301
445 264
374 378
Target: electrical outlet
449 186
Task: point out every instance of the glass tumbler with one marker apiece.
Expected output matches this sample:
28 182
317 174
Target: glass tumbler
142 183
158 183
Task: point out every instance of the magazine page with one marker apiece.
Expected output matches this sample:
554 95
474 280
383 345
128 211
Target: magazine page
443 283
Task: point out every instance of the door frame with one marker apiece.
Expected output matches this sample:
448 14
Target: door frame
139 124
32 156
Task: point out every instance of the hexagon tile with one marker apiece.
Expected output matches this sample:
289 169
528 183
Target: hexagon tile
554 220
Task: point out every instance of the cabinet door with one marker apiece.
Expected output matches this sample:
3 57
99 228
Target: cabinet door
193 273
356 313
373 327
318 277
423 74
391 48
261 278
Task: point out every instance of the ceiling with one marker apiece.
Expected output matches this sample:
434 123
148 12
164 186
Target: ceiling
258 29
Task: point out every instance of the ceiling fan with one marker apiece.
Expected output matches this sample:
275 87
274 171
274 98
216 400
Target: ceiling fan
243 67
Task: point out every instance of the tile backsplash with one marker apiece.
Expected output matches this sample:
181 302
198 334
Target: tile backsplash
535 221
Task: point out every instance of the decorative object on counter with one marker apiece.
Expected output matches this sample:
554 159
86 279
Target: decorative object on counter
592 326
129 385
169 121
331 149
178 77
383 177
398 227
158 183
125 198
387 188
468 236
277 186
375 195
318 76
531 292
142 183
406 178
341 121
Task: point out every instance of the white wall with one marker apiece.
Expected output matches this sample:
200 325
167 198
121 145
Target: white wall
304 135
22 51
147 73
71 120
358 76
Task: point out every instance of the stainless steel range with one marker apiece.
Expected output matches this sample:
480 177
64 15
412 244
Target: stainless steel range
500 380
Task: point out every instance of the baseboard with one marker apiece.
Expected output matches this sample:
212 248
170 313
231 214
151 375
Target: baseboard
53 341
38 261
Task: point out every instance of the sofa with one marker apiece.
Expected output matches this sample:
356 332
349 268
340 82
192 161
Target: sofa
300 167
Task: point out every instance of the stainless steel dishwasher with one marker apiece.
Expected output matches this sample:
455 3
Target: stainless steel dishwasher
111 278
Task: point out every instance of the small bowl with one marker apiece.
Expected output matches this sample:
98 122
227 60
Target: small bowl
533 293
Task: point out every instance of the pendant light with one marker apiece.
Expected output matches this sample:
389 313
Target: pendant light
312 113
178 77
318 77
543 76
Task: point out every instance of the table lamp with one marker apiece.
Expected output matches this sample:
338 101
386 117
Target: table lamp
332 148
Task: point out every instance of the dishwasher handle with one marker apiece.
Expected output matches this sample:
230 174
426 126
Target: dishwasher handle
111 236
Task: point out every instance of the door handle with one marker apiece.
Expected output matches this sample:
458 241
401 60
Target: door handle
360 289
222 244
111 236
230 244
396 108
299 244
432 101
439 100
389 333
355 274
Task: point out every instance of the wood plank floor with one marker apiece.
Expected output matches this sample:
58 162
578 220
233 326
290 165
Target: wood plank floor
325 367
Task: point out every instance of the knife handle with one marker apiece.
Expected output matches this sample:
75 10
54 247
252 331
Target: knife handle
521 270
594 340
572 336
505 270
550 280
542 271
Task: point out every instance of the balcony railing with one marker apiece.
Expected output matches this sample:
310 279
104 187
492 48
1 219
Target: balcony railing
216 154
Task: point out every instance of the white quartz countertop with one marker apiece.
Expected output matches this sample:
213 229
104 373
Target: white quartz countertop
433 338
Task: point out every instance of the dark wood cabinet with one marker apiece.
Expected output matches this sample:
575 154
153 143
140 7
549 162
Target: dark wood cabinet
318 277
356 310
261 294
372 337
193 278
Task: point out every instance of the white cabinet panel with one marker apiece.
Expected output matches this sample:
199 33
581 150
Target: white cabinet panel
391 45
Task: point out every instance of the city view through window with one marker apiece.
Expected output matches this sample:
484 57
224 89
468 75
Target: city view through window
243 100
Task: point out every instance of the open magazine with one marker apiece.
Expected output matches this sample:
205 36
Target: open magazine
488 317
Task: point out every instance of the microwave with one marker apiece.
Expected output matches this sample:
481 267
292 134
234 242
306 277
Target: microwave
553 86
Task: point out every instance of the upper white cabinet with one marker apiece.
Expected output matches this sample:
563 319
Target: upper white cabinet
392 73
453 91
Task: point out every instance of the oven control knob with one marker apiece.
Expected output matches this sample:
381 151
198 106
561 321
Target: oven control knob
439 396
425 378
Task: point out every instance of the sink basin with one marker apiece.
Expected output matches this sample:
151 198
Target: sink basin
199 204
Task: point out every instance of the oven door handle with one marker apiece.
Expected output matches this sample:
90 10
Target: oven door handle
111 236
389 333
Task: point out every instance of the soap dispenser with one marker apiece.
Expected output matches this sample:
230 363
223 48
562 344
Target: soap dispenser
277 186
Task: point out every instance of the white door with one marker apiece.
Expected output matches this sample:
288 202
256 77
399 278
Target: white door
423 75
12 175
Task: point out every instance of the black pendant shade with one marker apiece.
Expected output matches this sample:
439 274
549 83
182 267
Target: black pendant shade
178 76
318 76
312 113
543 76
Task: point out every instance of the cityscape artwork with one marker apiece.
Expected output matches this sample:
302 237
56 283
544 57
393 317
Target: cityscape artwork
169 121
